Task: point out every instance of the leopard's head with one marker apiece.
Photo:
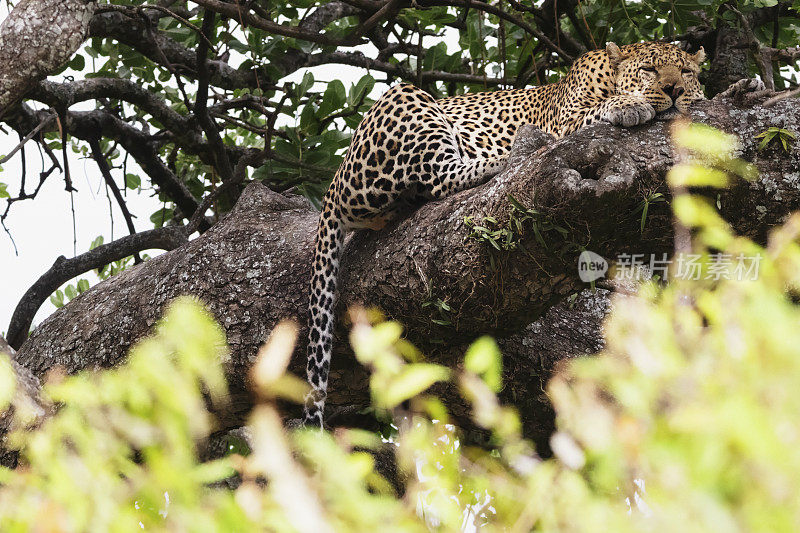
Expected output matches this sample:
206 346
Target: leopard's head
663 73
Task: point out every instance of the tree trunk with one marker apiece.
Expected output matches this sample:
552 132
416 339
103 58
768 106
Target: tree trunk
252 269
36 38
728 60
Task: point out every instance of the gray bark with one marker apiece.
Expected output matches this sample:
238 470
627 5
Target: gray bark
728 60
37 37
252 268
26 397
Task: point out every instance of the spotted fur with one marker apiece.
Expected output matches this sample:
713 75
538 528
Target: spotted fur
410 147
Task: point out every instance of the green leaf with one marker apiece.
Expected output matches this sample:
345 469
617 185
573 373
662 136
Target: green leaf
162 216
360 90
411 381
8 381
766 138
305 85
645 207
706 140
57 298
78 63
334 98
483 357
70 292
694 175
4 190
83 286
132 181
213 471
96 242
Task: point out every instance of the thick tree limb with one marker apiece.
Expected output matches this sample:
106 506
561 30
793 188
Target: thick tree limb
37 37
252 268
64 95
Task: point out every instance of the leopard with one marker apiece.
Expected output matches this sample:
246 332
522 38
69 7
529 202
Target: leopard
410 147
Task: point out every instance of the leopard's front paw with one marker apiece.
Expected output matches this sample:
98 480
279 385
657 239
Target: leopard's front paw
629 113
746 85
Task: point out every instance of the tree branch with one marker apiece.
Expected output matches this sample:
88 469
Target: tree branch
65 95
43 124
358 59
63 270
168 53
87 125
517 21
219 152
246 17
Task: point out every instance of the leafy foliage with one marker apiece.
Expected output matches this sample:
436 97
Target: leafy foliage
785 137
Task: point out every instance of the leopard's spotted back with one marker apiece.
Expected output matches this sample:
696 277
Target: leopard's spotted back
410 147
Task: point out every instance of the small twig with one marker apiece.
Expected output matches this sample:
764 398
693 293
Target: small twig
419 56
271 122
13 242
105 170
63 134
780 96
238 123
24 165
220 154
44 123
588 29
371 22
343 114
501 28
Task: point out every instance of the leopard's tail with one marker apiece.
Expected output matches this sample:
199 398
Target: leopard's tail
322 301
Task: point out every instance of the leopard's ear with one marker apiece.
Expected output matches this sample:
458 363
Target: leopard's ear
699 56
615 55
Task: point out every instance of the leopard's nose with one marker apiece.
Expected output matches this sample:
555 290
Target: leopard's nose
673 91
